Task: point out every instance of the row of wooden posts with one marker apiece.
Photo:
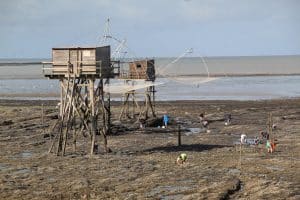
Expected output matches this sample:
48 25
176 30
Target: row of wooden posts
82 102
74 139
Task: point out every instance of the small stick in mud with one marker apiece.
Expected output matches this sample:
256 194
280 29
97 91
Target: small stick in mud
240 163
42 110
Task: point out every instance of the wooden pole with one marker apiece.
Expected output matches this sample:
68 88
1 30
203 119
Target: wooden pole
61 98
109 113
179 136
62 118
153 101
43 128
53 142
240 163
60 139
124 106
151 106
133 106
293 143
74 131
271 127
105 117
93 118
146 104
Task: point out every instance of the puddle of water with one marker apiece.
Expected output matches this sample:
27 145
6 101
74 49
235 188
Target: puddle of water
249 159
234 171
22 155
25 154
50 179
188 182
22 171
195 131
274 168
3 167
168 189
173 197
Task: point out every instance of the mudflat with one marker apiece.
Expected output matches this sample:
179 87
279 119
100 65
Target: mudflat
142 164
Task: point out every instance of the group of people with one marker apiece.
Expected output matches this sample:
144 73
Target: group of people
264 138
204 122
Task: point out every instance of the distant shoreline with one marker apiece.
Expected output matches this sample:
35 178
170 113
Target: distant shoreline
19 63
227 66
4 102
54 97
168 76
158 57
229 75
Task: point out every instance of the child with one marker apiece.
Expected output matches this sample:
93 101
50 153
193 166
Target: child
270 146
142 123
227 118
181 158
165 120
203 121
243 139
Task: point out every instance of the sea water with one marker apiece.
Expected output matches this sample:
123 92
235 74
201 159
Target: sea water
223 88
27 82
221 66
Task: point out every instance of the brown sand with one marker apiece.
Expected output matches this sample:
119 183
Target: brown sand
142 164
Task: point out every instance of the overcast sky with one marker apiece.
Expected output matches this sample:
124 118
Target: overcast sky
30 28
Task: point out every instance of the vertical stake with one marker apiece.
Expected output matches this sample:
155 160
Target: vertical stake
43 120
240 163
92 117
179 136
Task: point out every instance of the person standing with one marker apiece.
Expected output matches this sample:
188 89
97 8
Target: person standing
165 120
203 121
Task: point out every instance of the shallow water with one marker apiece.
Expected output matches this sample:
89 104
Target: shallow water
22 171
168 189
16 81
3 167
194 131
25 154
224 88
232 88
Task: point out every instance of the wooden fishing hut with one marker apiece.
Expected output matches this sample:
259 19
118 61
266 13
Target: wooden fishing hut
80 62
139 70
142 69
82 72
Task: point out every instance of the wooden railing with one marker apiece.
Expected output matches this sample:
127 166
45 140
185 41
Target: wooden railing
77 68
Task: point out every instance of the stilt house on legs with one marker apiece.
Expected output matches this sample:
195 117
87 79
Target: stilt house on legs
84 108
140 70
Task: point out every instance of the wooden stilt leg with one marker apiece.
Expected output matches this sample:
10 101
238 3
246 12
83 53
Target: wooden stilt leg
124 105
93 121
60 139
80 99
54 139
74 132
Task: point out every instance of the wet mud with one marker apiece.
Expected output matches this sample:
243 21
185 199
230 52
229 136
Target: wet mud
142 164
